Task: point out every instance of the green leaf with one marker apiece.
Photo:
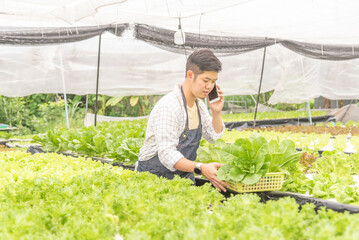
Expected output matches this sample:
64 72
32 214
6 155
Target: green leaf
236 174
273 146
113 101
100 144
249 158
252 178
283 155
77 98
230 153
223 171
220 143
204 155
133 100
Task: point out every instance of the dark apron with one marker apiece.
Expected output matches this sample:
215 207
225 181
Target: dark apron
188 144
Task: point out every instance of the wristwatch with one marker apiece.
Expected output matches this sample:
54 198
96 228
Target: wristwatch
197 168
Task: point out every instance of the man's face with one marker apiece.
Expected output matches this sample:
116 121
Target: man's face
203 83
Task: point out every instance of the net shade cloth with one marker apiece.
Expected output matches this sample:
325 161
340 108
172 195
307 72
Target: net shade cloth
163 38
45 36
219 44
323 51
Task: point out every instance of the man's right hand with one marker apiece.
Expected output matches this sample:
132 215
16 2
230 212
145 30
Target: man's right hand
209 170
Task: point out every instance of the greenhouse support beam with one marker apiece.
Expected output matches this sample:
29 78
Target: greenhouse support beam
64 86
259 89
98 74
254 100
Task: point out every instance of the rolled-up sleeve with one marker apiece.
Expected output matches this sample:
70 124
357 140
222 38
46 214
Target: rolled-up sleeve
166 136
208 131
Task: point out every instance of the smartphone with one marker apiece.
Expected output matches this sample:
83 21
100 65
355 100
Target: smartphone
213 95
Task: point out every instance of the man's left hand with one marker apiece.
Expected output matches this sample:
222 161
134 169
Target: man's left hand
209 170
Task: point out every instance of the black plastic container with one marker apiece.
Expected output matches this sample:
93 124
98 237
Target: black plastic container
301 199
277 122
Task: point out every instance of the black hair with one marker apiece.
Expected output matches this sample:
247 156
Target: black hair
203 60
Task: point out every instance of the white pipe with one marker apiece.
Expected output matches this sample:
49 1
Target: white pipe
87 101
309 114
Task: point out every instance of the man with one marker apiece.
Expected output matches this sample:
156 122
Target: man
179 119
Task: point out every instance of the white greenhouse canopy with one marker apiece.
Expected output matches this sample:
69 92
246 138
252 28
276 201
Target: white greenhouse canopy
312 46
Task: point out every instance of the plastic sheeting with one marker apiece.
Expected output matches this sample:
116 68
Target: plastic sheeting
302 78
314 21
28 70
134 67
346 113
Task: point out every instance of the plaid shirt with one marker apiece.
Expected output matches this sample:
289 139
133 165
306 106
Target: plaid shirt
166 123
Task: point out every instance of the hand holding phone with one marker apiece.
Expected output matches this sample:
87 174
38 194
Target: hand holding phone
213 95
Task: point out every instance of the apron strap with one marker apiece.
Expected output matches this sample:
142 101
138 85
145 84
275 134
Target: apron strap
185 108
199 115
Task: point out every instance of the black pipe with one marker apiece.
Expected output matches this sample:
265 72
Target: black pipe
98 74
259 89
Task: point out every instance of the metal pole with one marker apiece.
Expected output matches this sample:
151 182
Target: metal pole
183 39
87 101
98 74
64 86
259 89
309 114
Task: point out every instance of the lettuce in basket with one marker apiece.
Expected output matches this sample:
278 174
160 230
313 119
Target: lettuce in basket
247 160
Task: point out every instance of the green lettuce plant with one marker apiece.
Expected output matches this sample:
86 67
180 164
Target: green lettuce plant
249 159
